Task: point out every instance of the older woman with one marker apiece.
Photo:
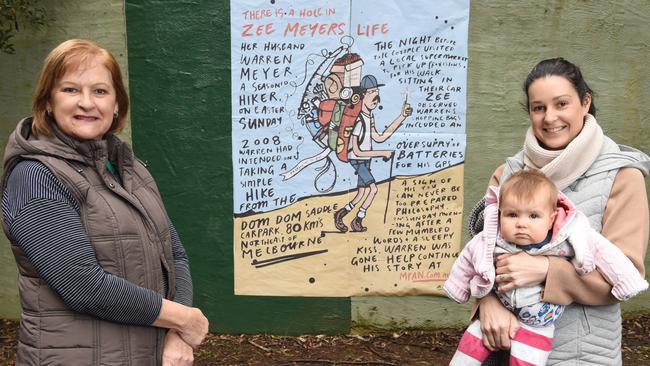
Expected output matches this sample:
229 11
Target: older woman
103 276
605 181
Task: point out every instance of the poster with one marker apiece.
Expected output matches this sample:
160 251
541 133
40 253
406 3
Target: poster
348 145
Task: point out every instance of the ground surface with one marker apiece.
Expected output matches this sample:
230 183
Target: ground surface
408 348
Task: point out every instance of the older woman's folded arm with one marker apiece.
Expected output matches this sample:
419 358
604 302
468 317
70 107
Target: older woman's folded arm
62 253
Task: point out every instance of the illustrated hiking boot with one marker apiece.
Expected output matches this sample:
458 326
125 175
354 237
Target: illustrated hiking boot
356 225
338 220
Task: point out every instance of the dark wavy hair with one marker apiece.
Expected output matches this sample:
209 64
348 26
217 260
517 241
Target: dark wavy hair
560 67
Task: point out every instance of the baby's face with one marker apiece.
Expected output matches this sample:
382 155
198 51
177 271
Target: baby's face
528 221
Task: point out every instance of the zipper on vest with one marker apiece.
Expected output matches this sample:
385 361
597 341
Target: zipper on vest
151 232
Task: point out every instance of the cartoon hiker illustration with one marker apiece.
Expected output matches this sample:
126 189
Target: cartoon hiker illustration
360 152
341 99
330 103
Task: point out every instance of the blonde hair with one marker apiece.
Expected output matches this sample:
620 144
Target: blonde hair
68 56
527 183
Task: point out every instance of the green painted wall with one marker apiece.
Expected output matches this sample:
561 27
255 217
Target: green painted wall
101 21
179 62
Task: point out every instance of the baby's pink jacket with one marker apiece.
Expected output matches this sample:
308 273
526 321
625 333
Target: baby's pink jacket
473 272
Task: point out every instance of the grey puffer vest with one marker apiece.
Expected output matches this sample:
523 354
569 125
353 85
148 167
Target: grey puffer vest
129 230
591 335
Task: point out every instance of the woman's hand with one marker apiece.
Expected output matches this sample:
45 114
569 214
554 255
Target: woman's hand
195 329
176 352
520 270
190 323
498 324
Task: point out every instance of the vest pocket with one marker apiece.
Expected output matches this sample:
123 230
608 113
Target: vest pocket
56 338
27 356
58 329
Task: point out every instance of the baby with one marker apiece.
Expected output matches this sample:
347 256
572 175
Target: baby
530 215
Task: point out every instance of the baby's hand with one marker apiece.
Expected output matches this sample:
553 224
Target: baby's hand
520 270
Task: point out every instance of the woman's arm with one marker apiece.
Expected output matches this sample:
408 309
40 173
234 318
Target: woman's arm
498 324
190 323
176 352
625 224
43 219
183 278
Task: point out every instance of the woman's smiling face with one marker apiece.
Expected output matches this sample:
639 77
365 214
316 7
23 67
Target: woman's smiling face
556 112
83 101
